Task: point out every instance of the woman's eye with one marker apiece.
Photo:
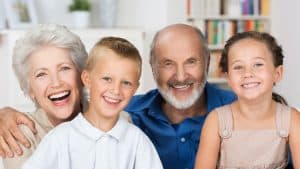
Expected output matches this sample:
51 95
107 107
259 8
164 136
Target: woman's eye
65 68
39 75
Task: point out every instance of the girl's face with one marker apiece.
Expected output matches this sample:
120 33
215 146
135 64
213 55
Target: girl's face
251 70
54 83
111 82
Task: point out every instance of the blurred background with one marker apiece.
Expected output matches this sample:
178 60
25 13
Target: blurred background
138 20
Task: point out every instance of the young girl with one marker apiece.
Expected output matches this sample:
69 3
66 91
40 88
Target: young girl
256 130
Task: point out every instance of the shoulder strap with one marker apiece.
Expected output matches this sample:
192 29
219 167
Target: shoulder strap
225 121
283 118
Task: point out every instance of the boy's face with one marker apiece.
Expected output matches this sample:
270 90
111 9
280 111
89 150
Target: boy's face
111 82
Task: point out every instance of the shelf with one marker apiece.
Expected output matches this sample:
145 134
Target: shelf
224 17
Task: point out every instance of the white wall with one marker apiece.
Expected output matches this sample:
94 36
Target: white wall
285 27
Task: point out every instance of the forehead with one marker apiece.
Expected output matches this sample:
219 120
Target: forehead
48 56
113 63
178 45
249 48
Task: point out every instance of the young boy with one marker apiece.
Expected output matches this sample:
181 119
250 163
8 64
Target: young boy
100 138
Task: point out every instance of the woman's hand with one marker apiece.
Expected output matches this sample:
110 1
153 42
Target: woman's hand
10 134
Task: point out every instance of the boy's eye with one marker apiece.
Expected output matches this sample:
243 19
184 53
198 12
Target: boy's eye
258 64
127 83
108 79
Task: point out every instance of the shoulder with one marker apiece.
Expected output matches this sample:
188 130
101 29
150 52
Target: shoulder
212 118
295 119
225 95
60 132
142 101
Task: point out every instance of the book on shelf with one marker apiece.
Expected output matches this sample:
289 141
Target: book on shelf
204 8
218 31
214 70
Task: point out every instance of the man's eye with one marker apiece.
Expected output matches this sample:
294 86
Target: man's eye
168 64
191 62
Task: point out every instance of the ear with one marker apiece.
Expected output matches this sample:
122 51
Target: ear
85 77
278 73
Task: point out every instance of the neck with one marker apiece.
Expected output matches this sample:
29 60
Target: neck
105 124
257 109
178 115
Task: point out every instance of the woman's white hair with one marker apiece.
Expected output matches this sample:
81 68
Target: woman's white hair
40 36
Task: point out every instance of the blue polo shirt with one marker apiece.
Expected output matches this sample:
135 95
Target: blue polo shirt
177 144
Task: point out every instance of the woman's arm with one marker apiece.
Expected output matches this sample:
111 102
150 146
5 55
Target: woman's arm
294 138
10 134
208 151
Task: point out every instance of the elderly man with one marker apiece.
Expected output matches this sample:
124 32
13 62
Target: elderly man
172 115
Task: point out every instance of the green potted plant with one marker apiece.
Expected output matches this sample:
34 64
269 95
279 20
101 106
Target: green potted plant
80 5
80 10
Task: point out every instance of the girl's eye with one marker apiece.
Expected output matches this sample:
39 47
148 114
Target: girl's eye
237 67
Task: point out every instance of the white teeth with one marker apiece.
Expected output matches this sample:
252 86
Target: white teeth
181 86
58 95
112 100
250 85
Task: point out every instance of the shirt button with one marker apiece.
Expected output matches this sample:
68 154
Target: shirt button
182 139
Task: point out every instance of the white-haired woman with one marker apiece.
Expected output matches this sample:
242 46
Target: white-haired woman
48 61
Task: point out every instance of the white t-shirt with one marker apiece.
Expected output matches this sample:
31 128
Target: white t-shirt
79 145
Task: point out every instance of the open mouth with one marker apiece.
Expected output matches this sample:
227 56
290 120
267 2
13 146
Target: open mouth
60 96
111 100
250 85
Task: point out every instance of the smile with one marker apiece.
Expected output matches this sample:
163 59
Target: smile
60 96
250 85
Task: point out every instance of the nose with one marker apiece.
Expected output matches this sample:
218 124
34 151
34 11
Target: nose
248 73
56 80
115 88
180 73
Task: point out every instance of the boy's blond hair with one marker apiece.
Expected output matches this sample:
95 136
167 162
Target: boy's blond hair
120 46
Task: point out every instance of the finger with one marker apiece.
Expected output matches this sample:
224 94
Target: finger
2 153
28 122
20 137
5 147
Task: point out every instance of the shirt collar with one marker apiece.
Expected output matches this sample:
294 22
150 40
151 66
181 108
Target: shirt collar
86 128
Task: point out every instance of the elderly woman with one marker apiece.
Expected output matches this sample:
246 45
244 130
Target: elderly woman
48 61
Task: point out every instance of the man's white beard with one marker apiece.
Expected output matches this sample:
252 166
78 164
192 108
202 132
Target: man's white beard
182 104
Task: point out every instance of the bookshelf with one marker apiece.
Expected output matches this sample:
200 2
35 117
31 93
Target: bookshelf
220 19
